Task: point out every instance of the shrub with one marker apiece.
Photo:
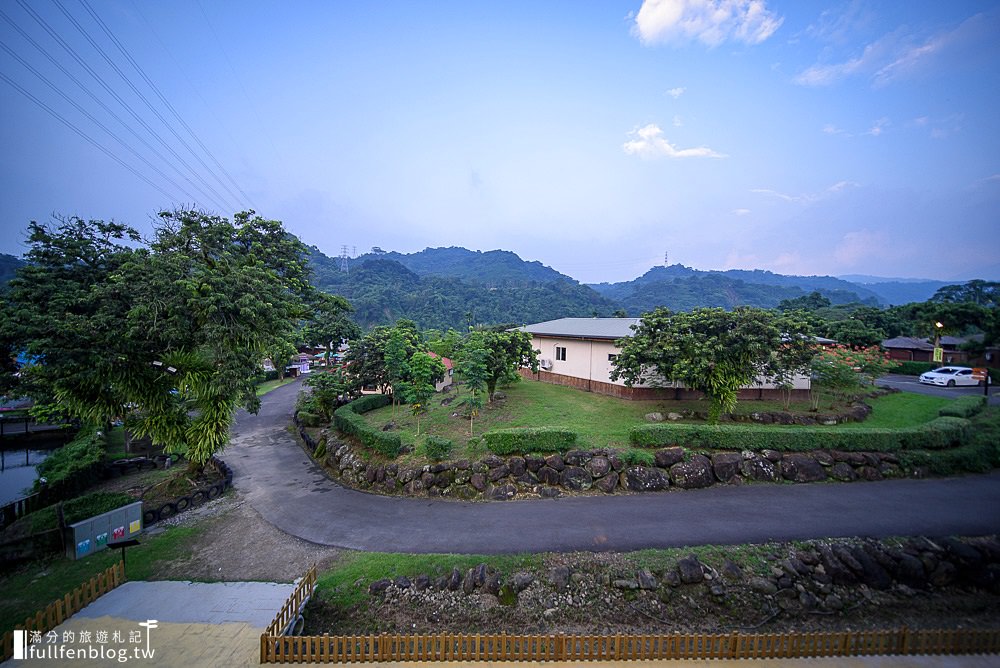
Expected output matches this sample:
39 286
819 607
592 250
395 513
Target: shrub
637 457
78 509
310 419
520 441
944 432
75 466
964 407
915 368
437 448
348 421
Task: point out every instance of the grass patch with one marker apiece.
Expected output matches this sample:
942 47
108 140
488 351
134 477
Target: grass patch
601 421
33 586
346 584
269 385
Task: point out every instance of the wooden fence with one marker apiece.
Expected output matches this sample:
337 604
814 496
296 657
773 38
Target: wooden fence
290 612
60 610
448 647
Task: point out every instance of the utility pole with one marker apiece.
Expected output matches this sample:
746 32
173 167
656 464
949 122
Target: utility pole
666 263
345 265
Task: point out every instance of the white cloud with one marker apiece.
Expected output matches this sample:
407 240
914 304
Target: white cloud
711 22
676 92
741 212
807 198
649 142
831 129
899 54
678 121
878 127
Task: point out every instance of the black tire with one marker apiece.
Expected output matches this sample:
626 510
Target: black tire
951 383
166 510
214 491
183 503
199 497
149 517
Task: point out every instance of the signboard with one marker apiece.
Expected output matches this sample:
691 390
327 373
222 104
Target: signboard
980 373
93 534
939 355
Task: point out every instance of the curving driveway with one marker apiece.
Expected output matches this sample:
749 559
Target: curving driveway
280 481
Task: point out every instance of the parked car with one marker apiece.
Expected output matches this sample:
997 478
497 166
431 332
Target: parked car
949 376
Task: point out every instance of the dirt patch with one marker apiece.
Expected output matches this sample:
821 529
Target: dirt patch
237 544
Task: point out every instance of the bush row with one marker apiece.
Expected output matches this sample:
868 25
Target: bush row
538 439
437 448
347 419
75 466
964 407
943 432
78 509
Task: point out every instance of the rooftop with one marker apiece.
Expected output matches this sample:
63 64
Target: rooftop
584 328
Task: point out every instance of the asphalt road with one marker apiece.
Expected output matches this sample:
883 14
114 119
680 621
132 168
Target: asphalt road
288 490
912 384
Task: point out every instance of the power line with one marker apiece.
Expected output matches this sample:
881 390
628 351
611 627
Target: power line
149 105
83 134
170 107
96 122
100 80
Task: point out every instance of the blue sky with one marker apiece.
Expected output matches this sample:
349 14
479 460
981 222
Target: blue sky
799 137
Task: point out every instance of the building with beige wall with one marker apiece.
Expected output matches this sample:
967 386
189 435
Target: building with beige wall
579 352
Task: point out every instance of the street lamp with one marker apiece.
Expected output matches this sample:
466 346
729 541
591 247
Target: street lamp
938 354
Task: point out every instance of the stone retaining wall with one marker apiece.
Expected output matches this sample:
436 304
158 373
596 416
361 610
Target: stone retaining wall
593 471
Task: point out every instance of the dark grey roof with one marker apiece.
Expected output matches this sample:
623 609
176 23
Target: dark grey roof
908 342
584 328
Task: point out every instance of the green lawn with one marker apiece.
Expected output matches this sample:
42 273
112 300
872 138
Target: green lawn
36 584
602 421
268 385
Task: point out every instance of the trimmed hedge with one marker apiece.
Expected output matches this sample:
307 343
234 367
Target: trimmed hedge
78 509
944 432
347 419
909 368
538 439
964 407
437 447
310 419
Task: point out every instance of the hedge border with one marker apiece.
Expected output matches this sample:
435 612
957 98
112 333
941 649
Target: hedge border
525 440
964 407
938 434
348 421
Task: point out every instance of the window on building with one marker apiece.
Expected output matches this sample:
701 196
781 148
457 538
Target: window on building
560 354
612 357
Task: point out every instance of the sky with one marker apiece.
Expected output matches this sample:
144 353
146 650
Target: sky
599 138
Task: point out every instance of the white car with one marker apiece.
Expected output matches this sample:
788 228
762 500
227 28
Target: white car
949 376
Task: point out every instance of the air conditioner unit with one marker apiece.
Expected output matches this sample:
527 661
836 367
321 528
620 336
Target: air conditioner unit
545 364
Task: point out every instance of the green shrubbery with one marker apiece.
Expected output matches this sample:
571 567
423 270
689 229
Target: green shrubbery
75 466
78 509
348 421
915 368
964 407
537 439
944 432
437 448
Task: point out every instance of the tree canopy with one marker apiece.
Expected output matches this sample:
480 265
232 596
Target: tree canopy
710 350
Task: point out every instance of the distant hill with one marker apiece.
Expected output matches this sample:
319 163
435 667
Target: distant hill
895 291
383 289
494 268
682 288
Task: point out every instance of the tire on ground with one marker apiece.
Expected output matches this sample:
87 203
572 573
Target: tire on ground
166 510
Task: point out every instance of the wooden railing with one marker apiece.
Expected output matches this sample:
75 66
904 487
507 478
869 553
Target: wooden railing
468 647
60 610
290 612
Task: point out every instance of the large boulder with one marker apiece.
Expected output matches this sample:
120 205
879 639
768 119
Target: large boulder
667 457
645 479
759 468
692 474
607 484
726 465
599 466
576 478
691 570
802 468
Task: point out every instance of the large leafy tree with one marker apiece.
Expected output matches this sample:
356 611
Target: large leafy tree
506 352
367 360
710 349
424 370
328 322
472 363
169 336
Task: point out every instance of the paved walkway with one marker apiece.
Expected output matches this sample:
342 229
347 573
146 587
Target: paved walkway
196 624
290 491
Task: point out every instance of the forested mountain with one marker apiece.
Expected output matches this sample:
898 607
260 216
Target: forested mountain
683 288
493 268
8 265
383 290
898 291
